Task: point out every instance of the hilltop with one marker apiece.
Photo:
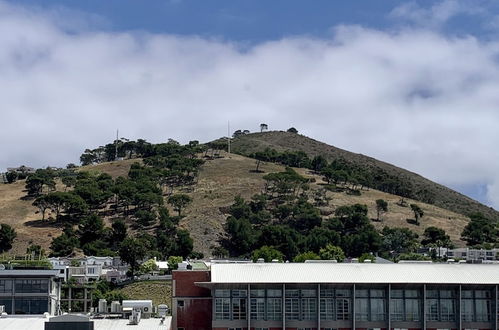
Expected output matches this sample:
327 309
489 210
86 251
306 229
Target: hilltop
420 188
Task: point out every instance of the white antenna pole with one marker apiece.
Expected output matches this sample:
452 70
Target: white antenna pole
228 137
116 146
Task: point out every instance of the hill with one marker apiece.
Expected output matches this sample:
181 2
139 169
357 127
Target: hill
220 179
419 187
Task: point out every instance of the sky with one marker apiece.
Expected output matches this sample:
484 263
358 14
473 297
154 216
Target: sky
412 83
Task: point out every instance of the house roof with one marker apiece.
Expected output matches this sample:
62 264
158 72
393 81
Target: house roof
355 273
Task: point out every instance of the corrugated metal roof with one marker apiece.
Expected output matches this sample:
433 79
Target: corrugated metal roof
355 273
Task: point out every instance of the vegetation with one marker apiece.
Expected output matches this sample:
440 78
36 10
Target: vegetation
418 213
7 236
284 219
381 207
373 173
481 231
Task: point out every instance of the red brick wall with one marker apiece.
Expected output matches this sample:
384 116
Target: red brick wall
184 283
195 315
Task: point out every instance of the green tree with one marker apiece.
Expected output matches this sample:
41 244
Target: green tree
381 207
331 252
241 236
318 163
418 213
480 230
42 203
118 232
436 237
179 202
35 250
37 181
268 253
64 245
11 176
173 262
148 266
184 243
132 250
399 240
91 228
302 257
145 218
7 236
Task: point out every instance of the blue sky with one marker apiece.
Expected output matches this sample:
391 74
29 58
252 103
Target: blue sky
259 20
413 83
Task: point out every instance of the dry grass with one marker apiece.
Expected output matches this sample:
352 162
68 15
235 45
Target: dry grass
220 180
22 216
280 141
160 292
114 169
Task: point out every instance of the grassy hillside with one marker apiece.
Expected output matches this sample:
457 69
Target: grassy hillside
220 180
281 141
160 292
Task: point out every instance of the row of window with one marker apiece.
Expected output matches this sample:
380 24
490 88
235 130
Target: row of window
24 286
26 305
370 305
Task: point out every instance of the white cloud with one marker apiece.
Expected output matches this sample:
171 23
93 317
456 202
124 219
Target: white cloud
414 97
437 15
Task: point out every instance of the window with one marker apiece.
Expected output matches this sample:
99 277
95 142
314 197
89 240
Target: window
222 308
274 309
257 308
238 309
32 286
180 303
405 305
308 308
292 308
7 302
222 293
441 305
476 305
30 305
5 286
370 305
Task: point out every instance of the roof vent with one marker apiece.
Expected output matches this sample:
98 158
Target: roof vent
260 260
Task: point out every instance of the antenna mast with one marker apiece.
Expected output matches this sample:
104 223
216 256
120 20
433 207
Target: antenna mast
116 146
228 137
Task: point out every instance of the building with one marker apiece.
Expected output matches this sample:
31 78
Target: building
337 296
473 254
29 291
88 269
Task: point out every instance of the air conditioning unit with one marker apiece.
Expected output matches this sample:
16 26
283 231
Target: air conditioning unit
145 306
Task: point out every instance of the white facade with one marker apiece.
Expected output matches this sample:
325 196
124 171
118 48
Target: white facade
89 268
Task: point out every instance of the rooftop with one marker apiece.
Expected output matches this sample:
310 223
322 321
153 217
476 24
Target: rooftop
355 273
28 272
38 323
